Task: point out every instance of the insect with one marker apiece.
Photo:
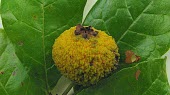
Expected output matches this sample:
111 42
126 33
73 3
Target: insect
78 29
86 32
85 35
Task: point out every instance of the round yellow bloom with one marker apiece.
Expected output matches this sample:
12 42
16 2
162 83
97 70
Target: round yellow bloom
85 61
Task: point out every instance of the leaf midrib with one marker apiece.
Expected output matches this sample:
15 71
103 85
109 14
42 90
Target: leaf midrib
43 46
134 22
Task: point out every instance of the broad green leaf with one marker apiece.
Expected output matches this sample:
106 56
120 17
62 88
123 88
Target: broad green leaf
142 26
14 78
32 26
152 80
138 25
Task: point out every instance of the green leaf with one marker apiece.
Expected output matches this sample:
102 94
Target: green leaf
14 78
143 27
32 26
26 65
152 80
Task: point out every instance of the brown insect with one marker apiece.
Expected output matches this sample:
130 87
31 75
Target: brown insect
78 29
85 35
86 32
131 57
94 33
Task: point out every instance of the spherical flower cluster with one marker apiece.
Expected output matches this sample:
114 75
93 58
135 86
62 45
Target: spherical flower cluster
85 60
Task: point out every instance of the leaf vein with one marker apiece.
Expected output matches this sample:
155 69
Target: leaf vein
134 21
148 34
128 10
31 26
3 88
50 67
127 44
152 84
26 91
31 57
9 78
50 4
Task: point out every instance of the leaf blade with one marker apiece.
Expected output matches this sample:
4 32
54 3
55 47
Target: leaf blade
121 82
32 27
136 26
13 70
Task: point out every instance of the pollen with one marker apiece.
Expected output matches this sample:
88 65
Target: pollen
85 55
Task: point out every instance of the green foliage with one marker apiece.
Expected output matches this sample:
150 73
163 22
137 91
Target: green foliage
142 26
152 80
31 26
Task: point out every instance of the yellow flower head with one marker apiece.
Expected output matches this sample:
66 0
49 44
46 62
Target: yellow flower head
85 55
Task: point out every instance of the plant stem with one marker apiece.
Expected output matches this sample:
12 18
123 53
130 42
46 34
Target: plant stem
68 88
